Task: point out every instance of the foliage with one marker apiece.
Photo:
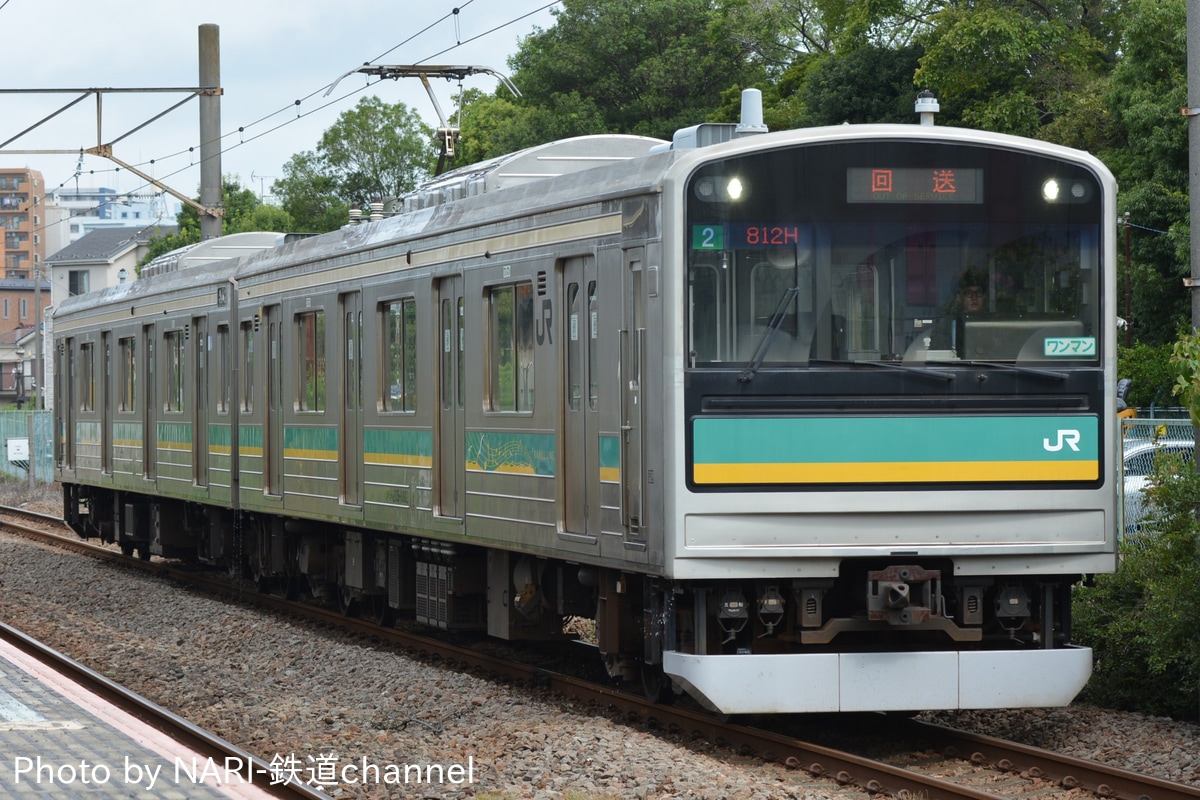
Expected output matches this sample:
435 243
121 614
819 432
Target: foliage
1149 367
1010 66
1141 621
375 151
310 195
1147 151
645 68
493 126
243 212
1185 358
870 84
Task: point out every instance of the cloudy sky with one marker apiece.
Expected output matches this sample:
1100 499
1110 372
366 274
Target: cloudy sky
273 53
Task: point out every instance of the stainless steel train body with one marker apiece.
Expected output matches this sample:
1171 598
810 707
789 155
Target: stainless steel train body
702 395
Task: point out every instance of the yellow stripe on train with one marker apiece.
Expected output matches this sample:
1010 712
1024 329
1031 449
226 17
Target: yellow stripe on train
898 472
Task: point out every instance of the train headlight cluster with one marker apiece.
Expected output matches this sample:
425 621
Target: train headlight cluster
770 609
733 612
720 189
1060 191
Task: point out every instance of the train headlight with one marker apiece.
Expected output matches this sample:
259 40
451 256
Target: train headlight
733 612
770 608
719 189
1012 606
1068 191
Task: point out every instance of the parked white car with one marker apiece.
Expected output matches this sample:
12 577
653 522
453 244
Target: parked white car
1139 464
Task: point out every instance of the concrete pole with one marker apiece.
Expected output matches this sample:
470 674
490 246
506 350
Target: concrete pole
1192 113
210 129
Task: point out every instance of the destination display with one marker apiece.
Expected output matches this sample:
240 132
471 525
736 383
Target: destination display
913 185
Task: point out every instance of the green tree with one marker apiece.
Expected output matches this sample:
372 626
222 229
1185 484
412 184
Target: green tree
375 151
310 195
1011 66
869 84
1146 147
646 68
1141 622
243 211
493 125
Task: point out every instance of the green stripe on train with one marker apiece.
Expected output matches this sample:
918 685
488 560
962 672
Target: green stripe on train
610 458
390 447
318 443
895 449
175 435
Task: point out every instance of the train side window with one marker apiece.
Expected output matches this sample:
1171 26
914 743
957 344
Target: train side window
225 370
128 374
593 345
400 355
87 377
173 351
310 337
247 366
510 351
574 345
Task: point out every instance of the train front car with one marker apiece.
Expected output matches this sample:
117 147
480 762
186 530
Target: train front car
894 418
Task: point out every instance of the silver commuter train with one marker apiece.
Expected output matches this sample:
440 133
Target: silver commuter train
721 396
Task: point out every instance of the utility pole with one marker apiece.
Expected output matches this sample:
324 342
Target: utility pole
210 131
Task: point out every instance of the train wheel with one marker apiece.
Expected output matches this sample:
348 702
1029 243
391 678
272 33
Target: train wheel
127 549
656 685
347 602
383 614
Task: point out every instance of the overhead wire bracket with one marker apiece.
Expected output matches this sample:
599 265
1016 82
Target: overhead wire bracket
447 134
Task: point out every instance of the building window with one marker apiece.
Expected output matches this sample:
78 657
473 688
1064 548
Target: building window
79 281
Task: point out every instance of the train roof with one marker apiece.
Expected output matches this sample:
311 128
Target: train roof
581 170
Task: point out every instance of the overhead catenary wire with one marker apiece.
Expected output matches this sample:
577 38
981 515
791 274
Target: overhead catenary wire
240 131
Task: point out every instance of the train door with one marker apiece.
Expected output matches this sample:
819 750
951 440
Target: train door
580 457
633 349
66 433
200 403
149 417
450 447
106 389
273 424
351 440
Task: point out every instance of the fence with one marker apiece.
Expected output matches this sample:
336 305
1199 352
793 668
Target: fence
1143 437
28 446
1158 423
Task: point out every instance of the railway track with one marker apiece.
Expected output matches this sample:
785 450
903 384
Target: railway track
938 762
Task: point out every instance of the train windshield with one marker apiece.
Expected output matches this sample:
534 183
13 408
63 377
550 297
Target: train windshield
905 251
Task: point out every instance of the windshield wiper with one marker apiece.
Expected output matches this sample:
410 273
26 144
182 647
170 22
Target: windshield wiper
1044 373
927 371
768 337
